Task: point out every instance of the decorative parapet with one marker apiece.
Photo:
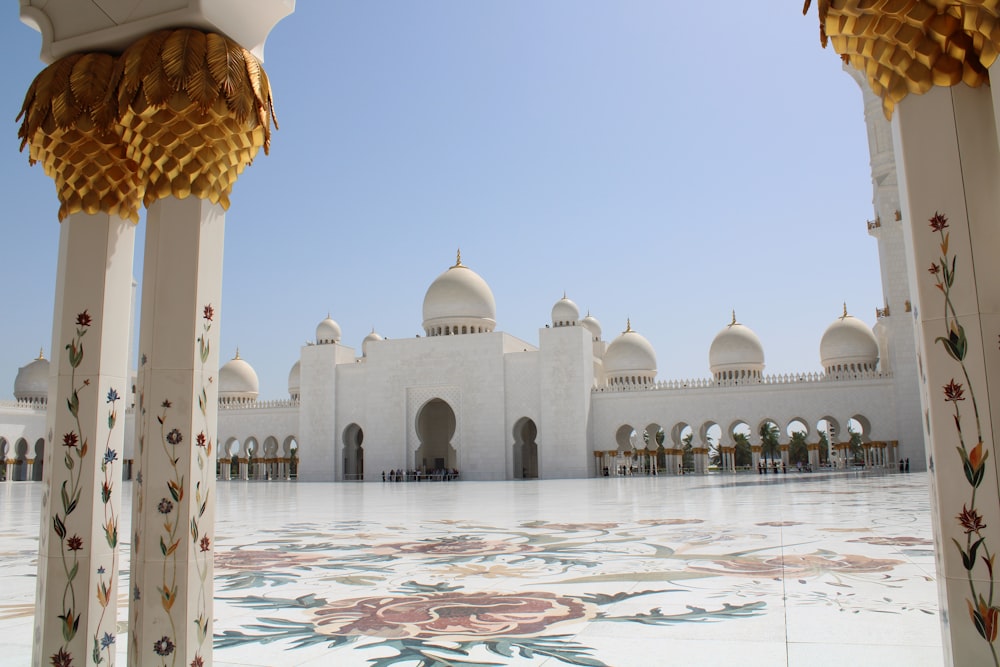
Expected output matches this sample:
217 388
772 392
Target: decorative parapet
259 405
766 380
38 405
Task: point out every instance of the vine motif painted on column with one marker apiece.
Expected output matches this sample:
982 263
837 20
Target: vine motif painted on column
205 461
106 587
975 551
169 539
76 445
138 504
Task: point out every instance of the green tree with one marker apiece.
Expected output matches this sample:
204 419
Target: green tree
687 455
856 448
769 440
744 456
798 450
824 448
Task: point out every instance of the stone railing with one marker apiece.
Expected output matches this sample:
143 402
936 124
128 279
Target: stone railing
260 405
31 405
779 379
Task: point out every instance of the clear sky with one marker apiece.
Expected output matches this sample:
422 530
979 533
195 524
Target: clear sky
659 161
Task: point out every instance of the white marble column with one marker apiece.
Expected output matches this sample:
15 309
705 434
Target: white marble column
78 562
173 507
949 164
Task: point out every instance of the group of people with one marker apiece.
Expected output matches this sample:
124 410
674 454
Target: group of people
762 466
400 475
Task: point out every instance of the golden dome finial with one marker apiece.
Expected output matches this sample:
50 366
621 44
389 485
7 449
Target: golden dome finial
628 325
237 352
41 354
734 318
845 311
564 294
458 258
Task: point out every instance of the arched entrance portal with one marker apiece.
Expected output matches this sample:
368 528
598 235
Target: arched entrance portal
435 429
525 449
354 453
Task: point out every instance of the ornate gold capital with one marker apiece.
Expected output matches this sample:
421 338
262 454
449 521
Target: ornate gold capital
179 113
909 46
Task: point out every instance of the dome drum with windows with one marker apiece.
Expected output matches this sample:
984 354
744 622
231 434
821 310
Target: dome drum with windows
459 302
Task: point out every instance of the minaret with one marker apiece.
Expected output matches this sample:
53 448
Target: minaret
895 330
141 105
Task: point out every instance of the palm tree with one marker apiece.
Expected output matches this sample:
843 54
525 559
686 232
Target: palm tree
798 450
744 457
687 455
769 440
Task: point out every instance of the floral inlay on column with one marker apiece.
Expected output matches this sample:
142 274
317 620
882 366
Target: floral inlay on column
203 453
76 446
975 551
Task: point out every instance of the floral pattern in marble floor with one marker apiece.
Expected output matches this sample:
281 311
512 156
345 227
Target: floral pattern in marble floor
796 569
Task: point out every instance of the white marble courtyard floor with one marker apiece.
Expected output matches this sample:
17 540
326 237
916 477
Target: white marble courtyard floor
797 569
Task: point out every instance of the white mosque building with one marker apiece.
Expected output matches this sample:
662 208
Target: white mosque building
465 397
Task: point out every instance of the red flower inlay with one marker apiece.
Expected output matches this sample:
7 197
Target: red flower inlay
62 659
70 439
209 312
935 269
971 520
939 222
74 543
200 439
204 543
954 392
83 319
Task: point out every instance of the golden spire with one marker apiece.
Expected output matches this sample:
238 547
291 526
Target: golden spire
628 325
734 318
845 311
564 294
41 354
237 352
458 259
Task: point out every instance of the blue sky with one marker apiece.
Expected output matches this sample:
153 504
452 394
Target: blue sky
664 162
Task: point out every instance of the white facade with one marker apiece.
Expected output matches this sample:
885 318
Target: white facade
467 397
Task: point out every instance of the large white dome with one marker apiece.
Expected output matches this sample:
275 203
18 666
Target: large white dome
327 332
565 313
630 359
32 381
848 345
736 353
459 301
238 381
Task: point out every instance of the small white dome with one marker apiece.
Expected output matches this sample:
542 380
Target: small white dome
327 332
736 349
848 345
565 313
591 324
459 301
295 379
630 359
370 338
238 381
32 381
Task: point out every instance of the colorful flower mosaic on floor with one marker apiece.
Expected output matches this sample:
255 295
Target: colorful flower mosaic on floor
799 569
